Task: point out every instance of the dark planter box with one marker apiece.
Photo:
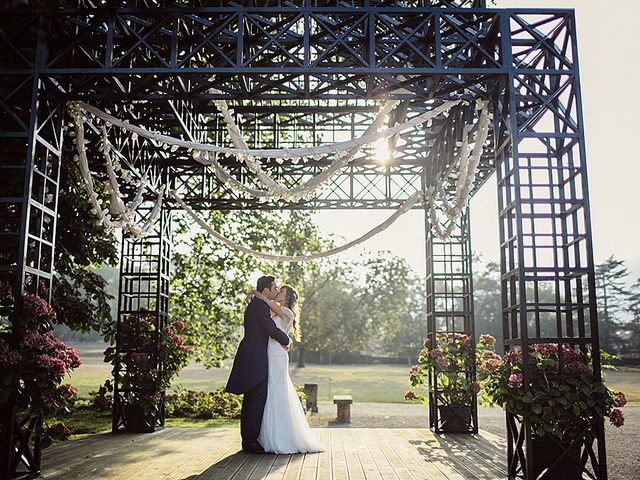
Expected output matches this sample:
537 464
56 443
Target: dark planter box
137 422
454 418
545 453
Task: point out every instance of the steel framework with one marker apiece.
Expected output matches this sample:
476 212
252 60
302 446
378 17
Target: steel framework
310 71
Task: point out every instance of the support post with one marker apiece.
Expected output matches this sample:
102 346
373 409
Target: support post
546 253
143 294
450 312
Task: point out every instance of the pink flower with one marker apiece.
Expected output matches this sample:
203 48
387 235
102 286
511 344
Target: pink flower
177 339
442 362
436 353
8 357
616 417
515 380
167 330
139 357
185 349
620 400
512 356
545 349
178 325
34 306
487 340
491 365
53 365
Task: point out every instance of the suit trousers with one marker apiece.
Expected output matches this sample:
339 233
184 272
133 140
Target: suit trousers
251 414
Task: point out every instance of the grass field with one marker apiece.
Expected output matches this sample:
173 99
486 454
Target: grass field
366 383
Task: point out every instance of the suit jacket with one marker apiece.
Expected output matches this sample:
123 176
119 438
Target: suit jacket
250 365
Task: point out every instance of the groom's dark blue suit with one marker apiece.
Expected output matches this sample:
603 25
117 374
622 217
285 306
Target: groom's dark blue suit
250 367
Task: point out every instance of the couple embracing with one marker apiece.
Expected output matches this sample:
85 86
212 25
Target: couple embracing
272 419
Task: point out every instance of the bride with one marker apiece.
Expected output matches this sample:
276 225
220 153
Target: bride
284 426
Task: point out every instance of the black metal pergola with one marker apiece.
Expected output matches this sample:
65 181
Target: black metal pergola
303 71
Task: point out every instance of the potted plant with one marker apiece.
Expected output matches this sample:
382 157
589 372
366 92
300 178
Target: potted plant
449 366
32 369
149 359
561 403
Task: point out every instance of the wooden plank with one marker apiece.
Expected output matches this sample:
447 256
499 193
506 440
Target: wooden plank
434 453
405 468
356 471
338 459
294 467
324 462
213 454
209 457
265 463
373 460
279 468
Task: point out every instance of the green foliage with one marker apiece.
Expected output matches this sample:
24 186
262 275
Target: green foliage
203 405
79 295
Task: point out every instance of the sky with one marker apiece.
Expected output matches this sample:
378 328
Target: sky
609 74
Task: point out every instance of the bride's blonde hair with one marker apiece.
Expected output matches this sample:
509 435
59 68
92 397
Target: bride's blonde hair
291 301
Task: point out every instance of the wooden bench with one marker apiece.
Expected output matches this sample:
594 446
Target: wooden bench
344 407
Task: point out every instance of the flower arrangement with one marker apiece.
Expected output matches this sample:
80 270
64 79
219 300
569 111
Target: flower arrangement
147 370
561 402
449 359
33 367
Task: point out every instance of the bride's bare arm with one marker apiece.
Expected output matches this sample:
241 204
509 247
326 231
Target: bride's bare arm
272 305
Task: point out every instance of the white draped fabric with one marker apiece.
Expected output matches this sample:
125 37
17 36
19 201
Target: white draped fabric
119 215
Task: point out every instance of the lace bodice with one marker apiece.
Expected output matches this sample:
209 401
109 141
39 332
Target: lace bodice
284 324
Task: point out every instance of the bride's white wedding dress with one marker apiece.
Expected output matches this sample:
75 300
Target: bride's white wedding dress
284 425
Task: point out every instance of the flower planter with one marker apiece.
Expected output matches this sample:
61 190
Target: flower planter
136 421
454 418
546 451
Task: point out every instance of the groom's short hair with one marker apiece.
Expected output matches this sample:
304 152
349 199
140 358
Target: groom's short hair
265 282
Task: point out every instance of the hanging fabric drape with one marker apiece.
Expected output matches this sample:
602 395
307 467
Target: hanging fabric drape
404 208
119 215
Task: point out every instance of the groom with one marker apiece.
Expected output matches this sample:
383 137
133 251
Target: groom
249 372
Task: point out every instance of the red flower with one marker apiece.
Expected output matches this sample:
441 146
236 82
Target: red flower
185 349
616 417
409 395
620 399
178 325
177 339
34 306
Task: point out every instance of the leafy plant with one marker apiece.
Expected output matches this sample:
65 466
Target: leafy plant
561 401
448 363
148 372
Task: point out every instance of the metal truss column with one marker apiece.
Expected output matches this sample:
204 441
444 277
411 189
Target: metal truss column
546 253
31 119
144 293
450 311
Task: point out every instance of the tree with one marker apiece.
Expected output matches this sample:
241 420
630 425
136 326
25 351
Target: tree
487 302
611 297
408 338
634 310
347 304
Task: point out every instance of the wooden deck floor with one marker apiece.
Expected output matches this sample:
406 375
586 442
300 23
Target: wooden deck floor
213 453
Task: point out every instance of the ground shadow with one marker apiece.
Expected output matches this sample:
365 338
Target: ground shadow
244 465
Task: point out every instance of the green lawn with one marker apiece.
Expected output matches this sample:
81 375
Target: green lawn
366 383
